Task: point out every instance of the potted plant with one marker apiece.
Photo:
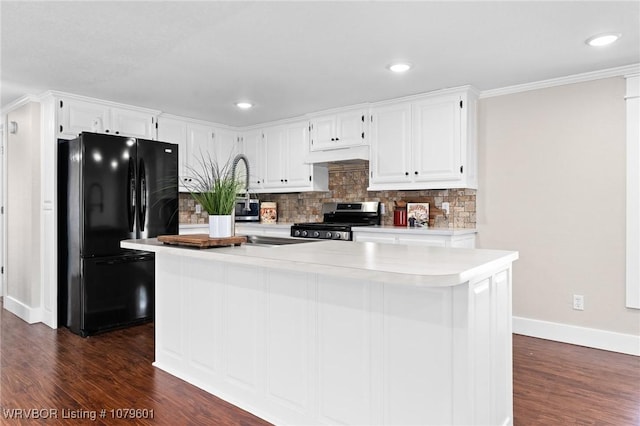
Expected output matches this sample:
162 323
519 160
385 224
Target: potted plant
215 188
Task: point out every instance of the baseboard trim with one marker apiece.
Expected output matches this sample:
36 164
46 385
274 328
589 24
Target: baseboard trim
26 313
582 336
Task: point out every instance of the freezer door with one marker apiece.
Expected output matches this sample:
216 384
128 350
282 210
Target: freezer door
115 292
157 185
108 193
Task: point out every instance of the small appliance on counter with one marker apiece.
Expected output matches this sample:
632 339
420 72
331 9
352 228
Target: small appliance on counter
269 212
338 219
247 211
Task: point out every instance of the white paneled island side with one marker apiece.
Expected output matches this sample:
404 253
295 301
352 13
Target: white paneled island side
333 332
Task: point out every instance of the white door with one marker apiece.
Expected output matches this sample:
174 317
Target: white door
274 140
390 144
437 139
199 149
323 133
132 123
253 149
175 131
298 172
350 128
225 145
75 117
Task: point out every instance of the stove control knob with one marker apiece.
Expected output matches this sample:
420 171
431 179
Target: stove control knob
337 236
328 235
304 233
296 233
316 234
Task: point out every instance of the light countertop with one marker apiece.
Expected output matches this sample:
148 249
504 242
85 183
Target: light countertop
401 264
414 231
377 228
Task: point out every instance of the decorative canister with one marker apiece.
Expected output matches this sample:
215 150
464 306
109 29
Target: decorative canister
268 212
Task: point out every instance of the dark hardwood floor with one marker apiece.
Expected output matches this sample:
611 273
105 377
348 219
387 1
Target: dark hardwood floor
43 369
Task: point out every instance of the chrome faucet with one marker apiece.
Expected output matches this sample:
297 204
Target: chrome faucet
234 164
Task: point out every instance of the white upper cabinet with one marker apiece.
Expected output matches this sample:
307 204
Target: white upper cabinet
225 145
175 131
76 116
298 173
390 144
199 149
340 130
275 150
252 147
426 142
285 147
198 141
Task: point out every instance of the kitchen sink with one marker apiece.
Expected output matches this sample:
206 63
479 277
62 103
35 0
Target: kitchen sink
267 241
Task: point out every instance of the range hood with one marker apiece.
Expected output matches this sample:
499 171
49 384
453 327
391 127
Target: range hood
360 152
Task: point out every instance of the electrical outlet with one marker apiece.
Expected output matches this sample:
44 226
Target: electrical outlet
445 208
198 209
578 302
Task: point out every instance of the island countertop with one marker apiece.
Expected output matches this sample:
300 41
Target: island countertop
391 263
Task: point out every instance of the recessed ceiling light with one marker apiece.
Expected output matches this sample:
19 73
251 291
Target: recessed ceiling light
602 39
400 67
244 105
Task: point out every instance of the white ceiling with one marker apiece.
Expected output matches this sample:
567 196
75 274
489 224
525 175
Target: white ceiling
198 58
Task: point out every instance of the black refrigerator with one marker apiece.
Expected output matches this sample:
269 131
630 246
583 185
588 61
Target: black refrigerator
111 188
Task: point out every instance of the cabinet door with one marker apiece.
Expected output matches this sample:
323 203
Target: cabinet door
373 237
131 123
175 131
350 128
274 141
298 173
323 133
76 116
437 139
225 145
390 144
253 148
199 149
424 240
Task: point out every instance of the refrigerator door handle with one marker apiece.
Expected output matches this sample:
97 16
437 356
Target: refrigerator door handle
143 194
131 194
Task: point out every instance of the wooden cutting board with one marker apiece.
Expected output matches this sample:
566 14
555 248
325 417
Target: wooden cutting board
201 240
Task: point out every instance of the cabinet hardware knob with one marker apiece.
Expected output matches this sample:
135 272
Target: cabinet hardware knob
415 173
406 173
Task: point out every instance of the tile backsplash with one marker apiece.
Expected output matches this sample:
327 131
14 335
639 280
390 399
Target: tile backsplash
348 182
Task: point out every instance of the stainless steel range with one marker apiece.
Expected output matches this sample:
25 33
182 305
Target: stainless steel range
338 219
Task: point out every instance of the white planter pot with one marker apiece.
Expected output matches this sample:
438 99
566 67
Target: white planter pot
221 226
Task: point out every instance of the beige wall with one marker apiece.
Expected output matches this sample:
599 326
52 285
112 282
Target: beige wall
552 186
23 206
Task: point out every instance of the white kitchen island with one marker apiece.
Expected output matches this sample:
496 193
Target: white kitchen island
337 332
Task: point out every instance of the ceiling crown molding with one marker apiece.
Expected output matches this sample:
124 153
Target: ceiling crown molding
560 81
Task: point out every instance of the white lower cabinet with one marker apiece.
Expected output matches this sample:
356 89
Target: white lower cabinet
275 230
430 238
312 349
